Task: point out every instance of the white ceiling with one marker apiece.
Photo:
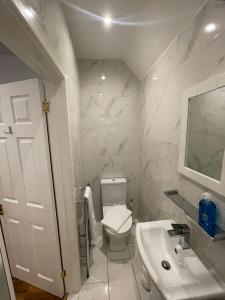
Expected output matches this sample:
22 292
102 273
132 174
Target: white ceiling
141 31
4 50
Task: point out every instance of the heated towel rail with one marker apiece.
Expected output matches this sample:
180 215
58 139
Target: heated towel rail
83 229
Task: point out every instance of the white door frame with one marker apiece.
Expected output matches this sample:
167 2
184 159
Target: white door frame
6 266
21 36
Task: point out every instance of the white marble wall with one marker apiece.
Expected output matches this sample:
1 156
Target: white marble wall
191 58
55 36
110 125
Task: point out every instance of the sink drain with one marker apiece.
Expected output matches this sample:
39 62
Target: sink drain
166 265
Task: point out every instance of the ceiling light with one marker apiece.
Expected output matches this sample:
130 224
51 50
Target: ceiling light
155 78
29 12
210 27
107 20
103 77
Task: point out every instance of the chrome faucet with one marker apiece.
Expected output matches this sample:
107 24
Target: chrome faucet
183 231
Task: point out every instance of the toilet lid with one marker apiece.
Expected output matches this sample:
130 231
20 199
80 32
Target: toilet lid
126 226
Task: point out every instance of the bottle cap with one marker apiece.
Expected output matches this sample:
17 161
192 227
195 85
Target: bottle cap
206 196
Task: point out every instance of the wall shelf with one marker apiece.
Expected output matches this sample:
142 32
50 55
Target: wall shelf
192 212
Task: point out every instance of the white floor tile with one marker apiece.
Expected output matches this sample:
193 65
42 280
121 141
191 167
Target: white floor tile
122 283
132 237
137 265
133 251
98 270
73 297
94 291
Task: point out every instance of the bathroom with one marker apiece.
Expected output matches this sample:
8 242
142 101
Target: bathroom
117 74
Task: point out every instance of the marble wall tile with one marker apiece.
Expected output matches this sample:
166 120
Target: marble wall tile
191 58
110 125
55 36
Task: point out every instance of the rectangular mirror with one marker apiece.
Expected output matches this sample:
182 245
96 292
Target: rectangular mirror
206 133
203 134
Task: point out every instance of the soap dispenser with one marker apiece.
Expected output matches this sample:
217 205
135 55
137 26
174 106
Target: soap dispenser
207 214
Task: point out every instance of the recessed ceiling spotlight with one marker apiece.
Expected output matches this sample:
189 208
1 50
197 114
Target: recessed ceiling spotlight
107 20
210 27
155 78
103 77
29 12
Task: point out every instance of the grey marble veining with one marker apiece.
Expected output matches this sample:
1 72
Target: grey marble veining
55 34
110 127
110 115
193 57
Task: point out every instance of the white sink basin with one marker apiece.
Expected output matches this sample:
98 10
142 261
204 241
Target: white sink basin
188 278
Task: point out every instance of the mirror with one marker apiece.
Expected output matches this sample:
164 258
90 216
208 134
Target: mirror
206 133
202 141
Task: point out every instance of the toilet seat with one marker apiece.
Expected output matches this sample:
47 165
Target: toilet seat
125 227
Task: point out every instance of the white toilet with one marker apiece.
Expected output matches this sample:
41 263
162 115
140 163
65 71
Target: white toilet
114 193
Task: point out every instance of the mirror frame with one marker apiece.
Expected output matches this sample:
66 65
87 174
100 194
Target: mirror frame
206 181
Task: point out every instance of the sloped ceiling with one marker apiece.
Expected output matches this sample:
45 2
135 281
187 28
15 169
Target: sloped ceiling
4 50
140 32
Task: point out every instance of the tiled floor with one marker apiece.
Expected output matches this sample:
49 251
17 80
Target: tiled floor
114 276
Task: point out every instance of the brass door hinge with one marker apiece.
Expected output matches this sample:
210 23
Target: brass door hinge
65 297
63 273
1 210
46 106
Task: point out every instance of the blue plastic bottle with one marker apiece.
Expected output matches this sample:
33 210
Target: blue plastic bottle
207 214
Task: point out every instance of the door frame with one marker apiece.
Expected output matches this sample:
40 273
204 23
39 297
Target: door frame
24 38
6 266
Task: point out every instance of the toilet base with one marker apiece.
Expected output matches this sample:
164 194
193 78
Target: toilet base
117 245
117 242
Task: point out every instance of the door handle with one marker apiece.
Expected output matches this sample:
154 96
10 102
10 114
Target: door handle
9 130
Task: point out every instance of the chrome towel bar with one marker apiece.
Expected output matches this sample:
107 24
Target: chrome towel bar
81 189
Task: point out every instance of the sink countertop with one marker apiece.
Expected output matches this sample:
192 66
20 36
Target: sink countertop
188 277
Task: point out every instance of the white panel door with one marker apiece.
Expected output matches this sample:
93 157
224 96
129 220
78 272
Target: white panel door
26 190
